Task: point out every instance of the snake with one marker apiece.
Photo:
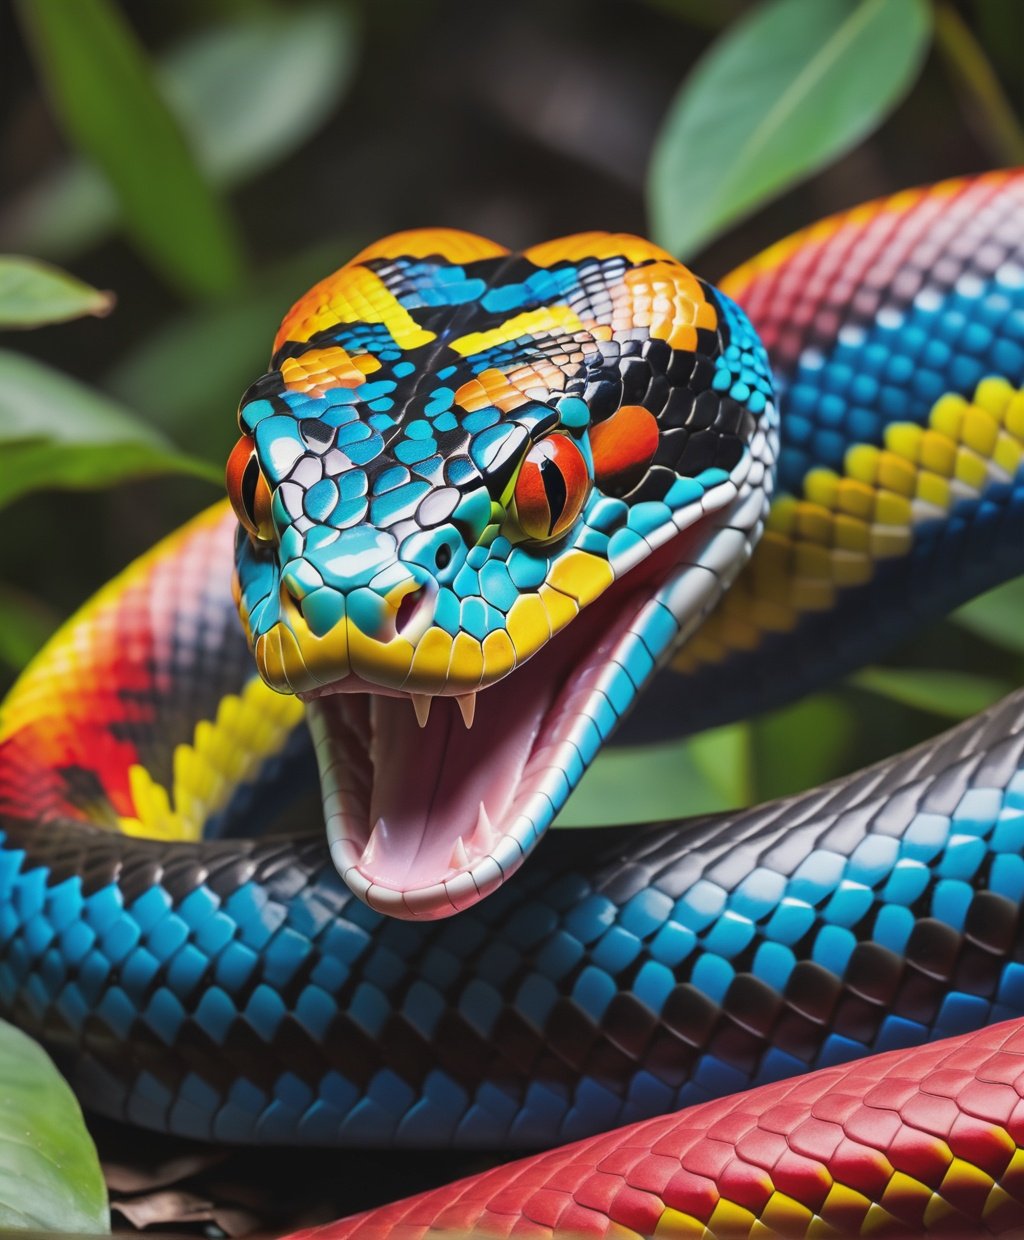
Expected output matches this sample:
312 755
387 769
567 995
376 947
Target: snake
480 503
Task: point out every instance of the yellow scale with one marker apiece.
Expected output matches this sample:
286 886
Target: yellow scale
849 522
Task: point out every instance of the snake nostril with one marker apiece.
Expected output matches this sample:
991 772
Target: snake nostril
408 608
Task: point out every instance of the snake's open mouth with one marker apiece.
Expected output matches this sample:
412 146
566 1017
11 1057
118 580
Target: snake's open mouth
431 803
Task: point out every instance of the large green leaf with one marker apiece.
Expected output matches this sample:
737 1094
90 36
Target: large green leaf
951 694
701 775
104 95
55 432
50 1178
997 616
253 90
779 95
800 746
246 94
34 293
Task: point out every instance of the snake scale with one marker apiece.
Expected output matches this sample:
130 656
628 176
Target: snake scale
456 454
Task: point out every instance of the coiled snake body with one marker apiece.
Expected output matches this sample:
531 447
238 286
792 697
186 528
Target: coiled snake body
446 432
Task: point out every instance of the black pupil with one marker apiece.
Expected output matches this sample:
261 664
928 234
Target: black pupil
250 477
444 556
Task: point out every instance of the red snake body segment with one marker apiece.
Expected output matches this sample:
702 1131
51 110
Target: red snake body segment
922 1140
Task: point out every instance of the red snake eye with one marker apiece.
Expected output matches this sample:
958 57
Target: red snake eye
248 490
551 488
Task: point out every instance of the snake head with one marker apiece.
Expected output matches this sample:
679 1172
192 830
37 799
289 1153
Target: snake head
481 496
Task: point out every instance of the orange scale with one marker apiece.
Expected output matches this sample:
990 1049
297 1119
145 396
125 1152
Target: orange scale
472 396
511 400
623 446
681 338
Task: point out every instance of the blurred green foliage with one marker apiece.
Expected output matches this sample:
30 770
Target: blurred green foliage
208 161
34 293
105 96
783 92
51 1179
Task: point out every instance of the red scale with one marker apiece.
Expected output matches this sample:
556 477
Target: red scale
872 1125
980 1142
919 1155
861 1168
804 1179
748 1186
637 1210
816 1138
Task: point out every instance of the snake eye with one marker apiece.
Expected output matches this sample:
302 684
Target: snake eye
248 490
551 488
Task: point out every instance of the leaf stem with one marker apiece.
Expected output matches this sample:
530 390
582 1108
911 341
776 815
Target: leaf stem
971 69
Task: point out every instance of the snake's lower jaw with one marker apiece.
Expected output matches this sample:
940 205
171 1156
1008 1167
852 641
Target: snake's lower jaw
431 803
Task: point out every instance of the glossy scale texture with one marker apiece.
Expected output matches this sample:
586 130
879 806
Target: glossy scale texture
623 973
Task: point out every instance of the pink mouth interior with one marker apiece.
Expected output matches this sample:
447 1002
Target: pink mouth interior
415 807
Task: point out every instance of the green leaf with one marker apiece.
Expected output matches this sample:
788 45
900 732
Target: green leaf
951 694
56 432
997 616
246 94
34 293
103 93
723 756
800 746
782 93
253 90
50 1178
644 784
25 624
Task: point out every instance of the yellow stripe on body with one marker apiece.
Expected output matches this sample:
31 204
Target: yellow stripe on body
449 243
249 728
545 321
579 246
355 294
847 523
352 295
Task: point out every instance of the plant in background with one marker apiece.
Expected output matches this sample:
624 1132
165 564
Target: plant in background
51 1178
